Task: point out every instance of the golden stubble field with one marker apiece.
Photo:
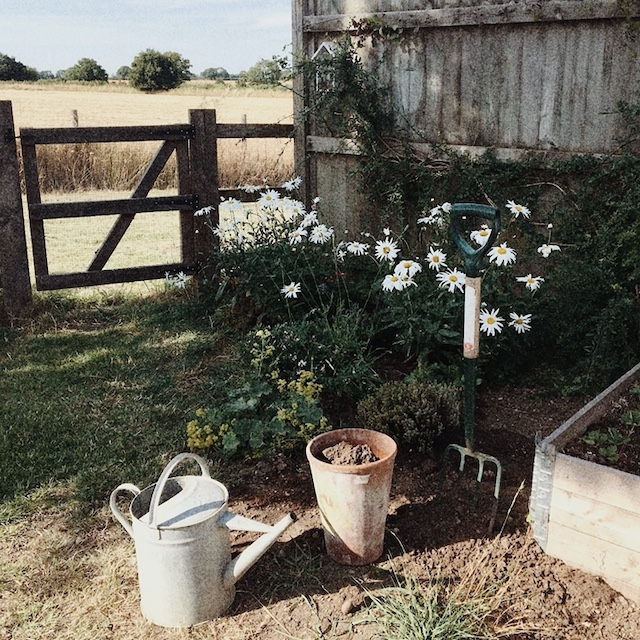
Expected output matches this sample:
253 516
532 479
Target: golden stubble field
51 105
153 238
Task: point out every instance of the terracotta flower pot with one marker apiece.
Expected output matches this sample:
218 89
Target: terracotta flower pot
353 499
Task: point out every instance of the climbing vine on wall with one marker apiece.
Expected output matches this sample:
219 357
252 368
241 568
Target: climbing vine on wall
592 308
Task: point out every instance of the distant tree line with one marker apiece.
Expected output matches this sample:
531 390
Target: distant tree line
149 71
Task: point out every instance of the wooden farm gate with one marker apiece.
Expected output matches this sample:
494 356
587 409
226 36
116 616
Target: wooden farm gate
195 148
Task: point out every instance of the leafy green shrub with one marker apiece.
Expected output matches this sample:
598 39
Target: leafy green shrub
414 413
86 70
343 303
155 71
265 72
215 73
335 348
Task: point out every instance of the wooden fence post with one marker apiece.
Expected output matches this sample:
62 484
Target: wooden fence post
204 171
14 261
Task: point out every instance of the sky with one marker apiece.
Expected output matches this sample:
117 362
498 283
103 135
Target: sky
234 34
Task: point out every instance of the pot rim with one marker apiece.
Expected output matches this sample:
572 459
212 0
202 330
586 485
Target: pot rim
382 445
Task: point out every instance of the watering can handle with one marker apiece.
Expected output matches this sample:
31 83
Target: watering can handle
164 476
120 517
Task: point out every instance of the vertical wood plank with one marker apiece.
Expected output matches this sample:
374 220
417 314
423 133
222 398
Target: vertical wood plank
32 188
300 99
203 151
14 262
185 187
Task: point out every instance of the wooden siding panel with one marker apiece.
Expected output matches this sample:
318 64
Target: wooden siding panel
539 85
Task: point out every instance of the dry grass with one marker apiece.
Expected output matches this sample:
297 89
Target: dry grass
66 168
51 105
118 166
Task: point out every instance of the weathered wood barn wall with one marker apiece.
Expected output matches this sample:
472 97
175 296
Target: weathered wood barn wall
473 74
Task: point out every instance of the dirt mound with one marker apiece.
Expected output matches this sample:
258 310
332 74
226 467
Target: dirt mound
345 453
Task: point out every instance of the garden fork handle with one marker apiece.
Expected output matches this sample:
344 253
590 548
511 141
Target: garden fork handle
471 333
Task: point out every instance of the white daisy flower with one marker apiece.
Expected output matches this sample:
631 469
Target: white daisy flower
320 234
436 259
452 279
357 248
205 211
291 290
531 282
393 282
292 185
295 237
546 249
480 236
309 219
518 209
491 322
269 198
179 280
502 254
387 250
520 323
407 268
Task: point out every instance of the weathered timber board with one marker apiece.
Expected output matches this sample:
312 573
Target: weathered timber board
603 502
619 568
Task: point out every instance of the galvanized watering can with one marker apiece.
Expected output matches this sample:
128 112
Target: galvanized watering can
180 527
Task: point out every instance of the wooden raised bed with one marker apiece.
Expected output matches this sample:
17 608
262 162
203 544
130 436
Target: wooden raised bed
583 513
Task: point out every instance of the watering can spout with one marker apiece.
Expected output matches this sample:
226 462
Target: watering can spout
245 560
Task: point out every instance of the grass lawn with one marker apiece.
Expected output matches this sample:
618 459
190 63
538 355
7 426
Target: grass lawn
97 390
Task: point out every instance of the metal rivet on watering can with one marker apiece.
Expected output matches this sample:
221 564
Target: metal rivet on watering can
472 258
353 499
180 527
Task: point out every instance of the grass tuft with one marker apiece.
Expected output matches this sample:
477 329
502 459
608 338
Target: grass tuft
482 602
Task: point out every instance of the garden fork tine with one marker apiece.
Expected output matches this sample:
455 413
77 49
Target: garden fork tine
471 341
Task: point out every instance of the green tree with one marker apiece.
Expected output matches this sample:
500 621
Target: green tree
215 73
155 71
86 70
123 73
11 69
266 72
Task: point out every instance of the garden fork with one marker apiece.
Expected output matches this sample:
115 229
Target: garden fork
471 338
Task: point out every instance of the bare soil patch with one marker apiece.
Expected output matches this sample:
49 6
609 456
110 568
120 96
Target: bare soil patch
85 584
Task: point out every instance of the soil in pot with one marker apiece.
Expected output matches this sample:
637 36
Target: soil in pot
345 453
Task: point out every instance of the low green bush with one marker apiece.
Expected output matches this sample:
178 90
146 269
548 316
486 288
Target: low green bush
414 413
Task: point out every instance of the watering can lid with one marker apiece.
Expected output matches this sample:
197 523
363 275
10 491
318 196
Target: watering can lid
197 499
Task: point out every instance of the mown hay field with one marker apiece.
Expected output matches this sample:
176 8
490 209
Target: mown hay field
51 105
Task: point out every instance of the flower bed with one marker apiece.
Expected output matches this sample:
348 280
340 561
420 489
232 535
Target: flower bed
588 514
